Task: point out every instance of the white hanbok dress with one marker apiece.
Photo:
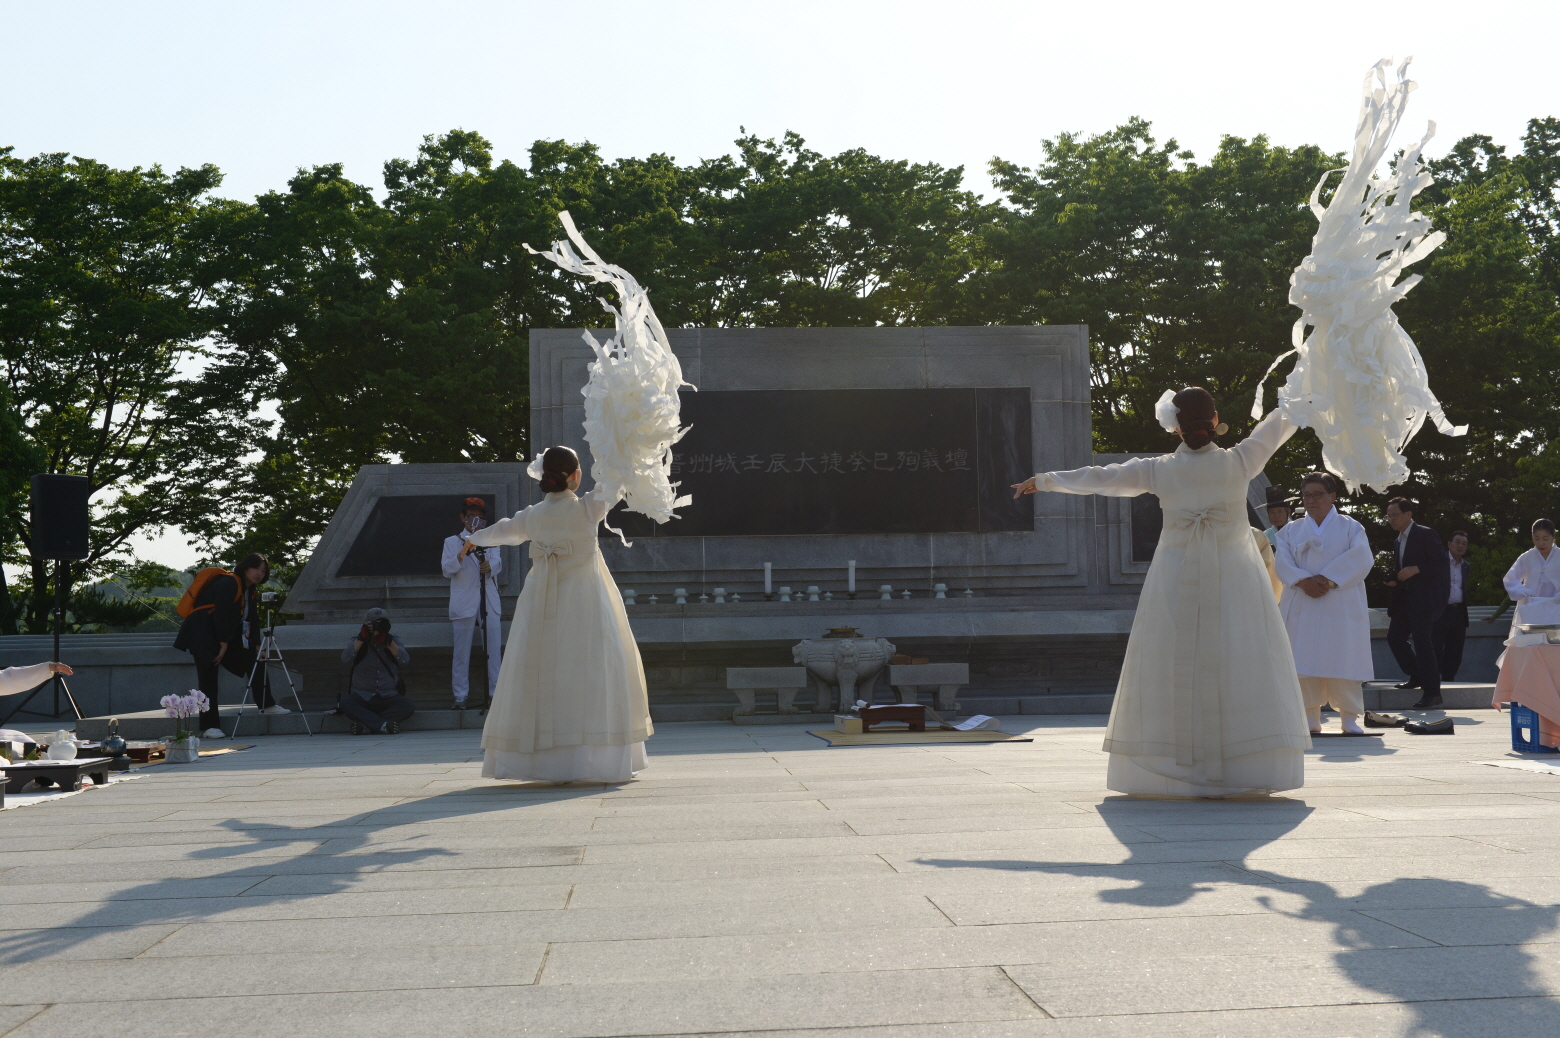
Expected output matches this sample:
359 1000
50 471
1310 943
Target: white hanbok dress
571 702
1208 703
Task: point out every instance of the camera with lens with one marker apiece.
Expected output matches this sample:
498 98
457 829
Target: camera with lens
380 625
270 598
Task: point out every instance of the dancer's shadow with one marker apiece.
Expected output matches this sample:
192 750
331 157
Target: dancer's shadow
1163 878
1451 990
352 852
1452 994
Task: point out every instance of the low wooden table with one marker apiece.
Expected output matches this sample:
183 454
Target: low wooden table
63 773
913 714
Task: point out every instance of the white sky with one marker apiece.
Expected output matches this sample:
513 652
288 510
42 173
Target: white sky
261 89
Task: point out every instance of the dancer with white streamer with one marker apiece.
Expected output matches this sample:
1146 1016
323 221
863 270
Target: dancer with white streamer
1208 704
571 703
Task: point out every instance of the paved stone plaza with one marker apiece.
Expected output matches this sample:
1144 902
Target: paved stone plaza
754 881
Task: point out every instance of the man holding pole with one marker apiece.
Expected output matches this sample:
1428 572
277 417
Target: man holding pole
473 593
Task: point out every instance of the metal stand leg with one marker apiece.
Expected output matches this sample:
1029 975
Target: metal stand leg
270 652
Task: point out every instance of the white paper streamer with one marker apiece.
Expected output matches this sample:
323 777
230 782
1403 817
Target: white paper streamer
1166 412
1359 381
631 405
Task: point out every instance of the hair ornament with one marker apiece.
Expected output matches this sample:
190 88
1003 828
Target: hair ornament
1221 428
1168 415
534 470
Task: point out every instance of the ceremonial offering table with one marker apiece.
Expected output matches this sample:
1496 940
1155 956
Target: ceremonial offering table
63 773
1530 675
912 714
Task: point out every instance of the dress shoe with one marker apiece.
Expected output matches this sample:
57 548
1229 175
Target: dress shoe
1408 684
1427 703
1375 720
1442 727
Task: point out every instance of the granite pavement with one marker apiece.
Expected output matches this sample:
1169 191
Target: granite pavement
753 881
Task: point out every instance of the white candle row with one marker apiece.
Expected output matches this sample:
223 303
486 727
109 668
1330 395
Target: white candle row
812 594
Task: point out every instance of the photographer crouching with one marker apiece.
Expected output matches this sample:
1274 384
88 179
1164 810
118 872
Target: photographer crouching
377 700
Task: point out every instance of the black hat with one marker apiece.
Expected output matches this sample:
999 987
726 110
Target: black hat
1275 497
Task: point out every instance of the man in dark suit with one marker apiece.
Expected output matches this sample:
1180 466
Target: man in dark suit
1420 588
1452 628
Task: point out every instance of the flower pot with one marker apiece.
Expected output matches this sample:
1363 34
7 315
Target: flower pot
186 751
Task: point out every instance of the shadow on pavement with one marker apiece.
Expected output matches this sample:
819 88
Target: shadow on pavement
349 856
1508 989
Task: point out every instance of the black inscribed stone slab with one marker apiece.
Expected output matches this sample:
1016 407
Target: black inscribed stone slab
404 536
849 461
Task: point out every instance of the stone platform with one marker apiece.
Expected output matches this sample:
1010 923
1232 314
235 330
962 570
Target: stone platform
153 724
754 882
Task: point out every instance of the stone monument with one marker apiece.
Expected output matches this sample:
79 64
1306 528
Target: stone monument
841 459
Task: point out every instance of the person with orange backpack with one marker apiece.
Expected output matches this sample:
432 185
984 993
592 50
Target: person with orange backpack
221 628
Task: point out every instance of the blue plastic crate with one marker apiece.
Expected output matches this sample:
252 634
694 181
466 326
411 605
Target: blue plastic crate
1524 731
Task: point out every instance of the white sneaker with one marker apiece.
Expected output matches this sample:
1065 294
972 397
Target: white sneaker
276 708
213 733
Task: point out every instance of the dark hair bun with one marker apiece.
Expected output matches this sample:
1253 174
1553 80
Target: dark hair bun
558 464
1195 411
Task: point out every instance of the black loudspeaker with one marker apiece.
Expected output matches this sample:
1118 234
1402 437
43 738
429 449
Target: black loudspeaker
59 516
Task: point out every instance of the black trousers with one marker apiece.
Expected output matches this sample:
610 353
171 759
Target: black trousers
1419 661
374 712
238 661
1450 632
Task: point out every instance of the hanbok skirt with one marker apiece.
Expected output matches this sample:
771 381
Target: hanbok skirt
568 764
571 704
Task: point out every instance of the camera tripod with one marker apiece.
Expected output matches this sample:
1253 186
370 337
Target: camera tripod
268 653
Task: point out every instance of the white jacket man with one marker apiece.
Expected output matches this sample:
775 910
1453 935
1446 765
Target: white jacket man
1322 560
469 578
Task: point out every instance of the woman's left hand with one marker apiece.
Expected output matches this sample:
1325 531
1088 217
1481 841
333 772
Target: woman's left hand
1026 487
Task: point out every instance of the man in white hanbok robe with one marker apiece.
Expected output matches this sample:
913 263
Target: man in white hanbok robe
470 576
1323 564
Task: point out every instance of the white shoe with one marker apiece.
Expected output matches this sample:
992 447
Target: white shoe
213 733
276 708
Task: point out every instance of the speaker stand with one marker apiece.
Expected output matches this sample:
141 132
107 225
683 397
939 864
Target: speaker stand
57 681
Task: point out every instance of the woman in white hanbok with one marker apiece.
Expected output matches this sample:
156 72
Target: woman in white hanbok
571 703
1208 703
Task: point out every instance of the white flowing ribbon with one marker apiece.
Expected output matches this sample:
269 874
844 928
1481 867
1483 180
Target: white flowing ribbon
1166 413
631 404
1360 382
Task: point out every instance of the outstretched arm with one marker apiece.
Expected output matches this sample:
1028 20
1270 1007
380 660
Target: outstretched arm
598 503
1124 479
505 531
1269 435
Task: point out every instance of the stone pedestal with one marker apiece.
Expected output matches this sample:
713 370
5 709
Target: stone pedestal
944 678
747 682
845 668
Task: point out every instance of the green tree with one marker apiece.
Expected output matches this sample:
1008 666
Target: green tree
101 324
399 329
1179 269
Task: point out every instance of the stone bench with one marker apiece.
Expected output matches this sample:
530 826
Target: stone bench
747 682
945 678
